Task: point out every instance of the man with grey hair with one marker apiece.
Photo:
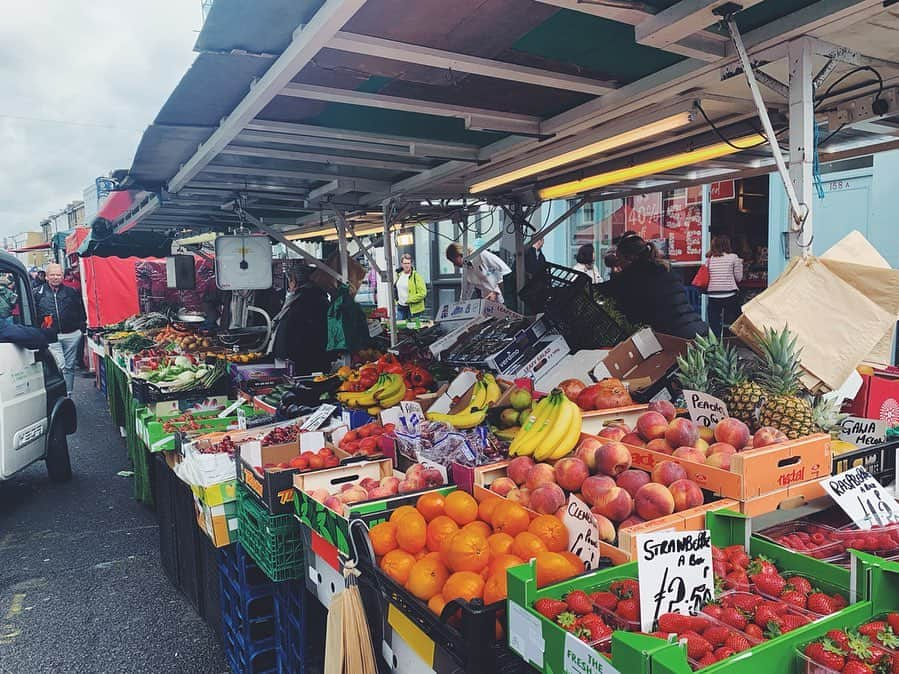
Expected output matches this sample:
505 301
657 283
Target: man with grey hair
59 308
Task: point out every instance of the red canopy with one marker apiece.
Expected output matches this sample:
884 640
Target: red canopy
27 249
73 240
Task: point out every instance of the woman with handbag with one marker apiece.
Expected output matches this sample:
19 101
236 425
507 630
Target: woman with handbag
725 271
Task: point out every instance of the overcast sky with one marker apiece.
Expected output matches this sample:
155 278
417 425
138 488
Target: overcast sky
70 70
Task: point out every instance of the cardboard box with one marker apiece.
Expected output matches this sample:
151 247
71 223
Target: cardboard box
793 496
189 403
595 420
576 365
540 360
878 397
218 522
470 309
756 471
449 339
521 348
645 362
216 494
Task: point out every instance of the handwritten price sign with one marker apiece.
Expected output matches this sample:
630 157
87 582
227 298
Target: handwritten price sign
675 572
862 497
704 409
583 534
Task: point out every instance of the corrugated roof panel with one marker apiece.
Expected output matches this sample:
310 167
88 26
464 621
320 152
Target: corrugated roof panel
162 150
260 26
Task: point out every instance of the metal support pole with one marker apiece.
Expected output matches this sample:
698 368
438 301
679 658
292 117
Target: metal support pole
388 255
341 245
464 225
558 221
520 277
800 54
366 251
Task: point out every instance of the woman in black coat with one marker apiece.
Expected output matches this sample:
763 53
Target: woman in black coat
649 293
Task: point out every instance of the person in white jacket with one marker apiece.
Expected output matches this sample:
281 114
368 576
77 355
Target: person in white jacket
483 274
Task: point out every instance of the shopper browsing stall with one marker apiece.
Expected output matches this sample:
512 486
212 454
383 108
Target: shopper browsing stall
585 263
482 274
60 309
725 274
534 260
411 290
649 293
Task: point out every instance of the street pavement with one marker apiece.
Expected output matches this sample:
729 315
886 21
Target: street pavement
81 586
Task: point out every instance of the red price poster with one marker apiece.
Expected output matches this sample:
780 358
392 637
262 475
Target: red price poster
683 227
644 215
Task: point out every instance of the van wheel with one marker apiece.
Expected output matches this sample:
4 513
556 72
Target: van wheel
59 468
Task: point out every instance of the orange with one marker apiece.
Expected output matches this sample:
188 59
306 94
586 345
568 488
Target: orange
420 554
552 567
551 531
430 505
499 543
511 518
461 507
412 532
426 578
465 585
400 512
576 562
436 603
495 589
439 528
502 562
527 545
486 507
397 564
498 630
383 538
479 527
467 551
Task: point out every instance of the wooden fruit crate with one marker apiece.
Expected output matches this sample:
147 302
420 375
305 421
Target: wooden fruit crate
594 421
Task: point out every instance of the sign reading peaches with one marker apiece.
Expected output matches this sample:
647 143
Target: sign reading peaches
705 409
583 532
675 573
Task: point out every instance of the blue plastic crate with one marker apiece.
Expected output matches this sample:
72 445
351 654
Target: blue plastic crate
250 658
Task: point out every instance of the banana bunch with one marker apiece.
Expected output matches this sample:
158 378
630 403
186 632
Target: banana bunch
388 391
486 393
467 419
552 430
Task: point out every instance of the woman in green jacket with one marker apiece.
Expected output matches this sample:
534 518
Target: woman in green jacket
410 291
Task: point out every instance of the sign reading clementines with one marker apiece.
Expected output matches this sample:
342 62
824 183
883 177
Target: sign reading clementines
583 532
675 573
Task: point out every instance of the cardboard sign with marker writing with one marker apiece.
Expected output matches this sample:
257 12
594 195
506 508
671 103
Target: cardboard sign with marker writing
863 432
704 409
583 533
316 419
862 497
675 573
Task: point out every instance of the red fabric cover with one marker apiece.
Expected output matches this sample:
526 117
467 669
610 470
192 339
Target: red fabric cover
73 240
111 286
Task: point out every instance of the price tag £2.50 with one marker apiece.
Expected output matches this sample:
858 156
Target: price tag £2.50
675 572
862 497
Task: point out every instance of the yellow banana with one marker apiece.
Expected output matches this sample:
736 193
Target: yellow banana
507 434
493 391
391 385
572 434
461 420
394 399
479 395
527 439
556 428
357 399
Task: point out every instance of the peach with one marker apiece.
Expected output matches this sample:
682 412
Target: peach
733 432
571 473
767 435
547 499
613 433
391 483
702 446
689 454
593 486
334 503
706 433
652 425
319 495
606 529
660 445
415 471
410 485
682 433
432 477
719 460
632 479
586 451
539 475
686 494
614 503
719 447
633 439
613 458
631 521
518 468
380 492
665 408
503 485
369 483
666 472
653 500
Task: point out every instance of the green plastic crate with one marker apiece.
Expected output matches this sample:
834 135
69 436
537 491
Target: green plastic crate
273 541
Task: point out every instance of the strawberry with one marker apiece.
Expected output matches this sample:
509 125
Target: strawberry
773 628
764 615
713 610
743 601
799 584
737 642
871 629
794 598
893 620
716 635
737 580
660 635
723 652
626 589
707 660
737 556
594 625
791 621
578 602
859 646
566 621
674 622
856 667
761 566
771 584
697 646
840 602
734 618
550 608
822 604
606 600
840 639
888 638
629 609
826 653
754 631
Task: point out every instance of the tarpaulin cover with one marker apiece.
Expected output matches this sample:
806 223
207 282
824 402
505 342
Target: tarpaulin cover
114 280
73 240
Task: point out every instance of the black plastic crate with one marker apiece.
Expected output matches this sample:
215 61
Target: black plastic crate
879 460
147 393
164 497
189 539
585 323
211 590
556 284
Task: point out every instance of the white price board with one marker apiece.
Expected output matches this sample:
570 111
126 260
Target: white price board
582 659
412 415
318 417
675 573
241 420
704 409
525 635
230 408
862 497
583 534
863 432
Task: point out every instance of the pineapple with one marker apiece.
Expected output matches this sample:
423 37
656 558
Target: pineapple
783 408
827 415
742 396
694 370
